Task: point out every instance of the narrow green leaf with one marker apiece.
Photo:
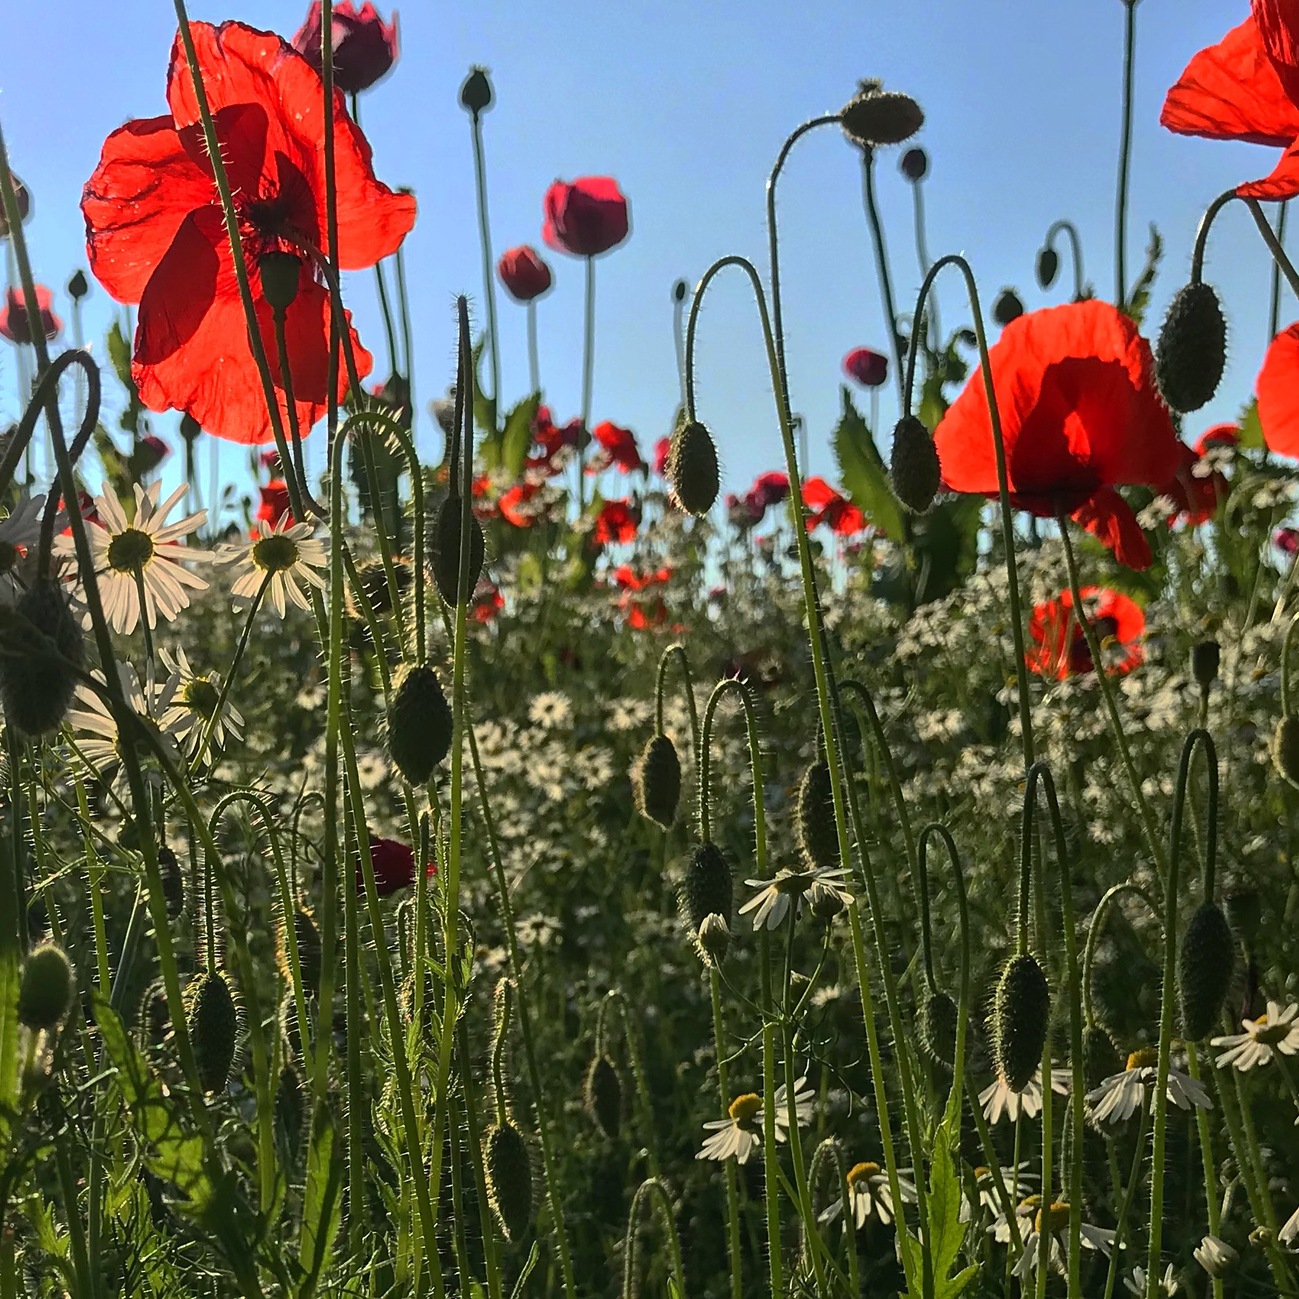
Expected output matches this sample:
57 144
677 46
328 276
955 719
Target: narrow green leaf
862 472
1139 299
517 435
322 1204
534 1257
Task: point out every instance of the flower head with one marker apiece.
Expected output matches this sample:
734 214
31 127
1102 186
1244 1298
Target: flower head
1053 1221
737 1135
363 45
16 324
523 273
1061 643
999 1099
394 867
617 449
1121 1095
197 704
784 893
1276 1030
1215 1256
1278 406
615 523
825 505
868 368
19 532
586 217
870 1195
281 556
275 503
100 740
1136 1283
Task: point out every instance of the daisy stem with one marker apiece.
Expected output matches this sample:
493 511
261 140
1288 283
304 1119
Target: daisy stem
1213 1206
1075 244
1279 258
1125 154
732 1189
1129 1195
588 379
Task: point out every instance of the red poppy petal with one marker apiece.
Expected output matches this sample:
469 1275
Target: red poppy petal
817 493
1109 518
1278 393
1282 183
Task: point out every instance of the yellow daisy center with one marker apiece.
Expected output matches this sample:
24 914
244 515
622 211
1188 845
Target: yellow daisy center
201 695
743 1108
130 551
862 1172
1144 1058
1055 1218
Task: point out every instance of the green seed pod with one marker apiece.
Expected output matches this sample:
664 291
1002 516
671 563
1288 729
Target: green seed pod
602 1095
1007 307
153 1018
1100 1056
280 273
309 951
213 1026
706 889
35 686
444 551
1205 962
1021 1016
1285 748
1205 658
46 990
876 117
476 92
1048 266
937 1023
1192 349
509 1178
656 781
420 723
818 836
692 468
914 465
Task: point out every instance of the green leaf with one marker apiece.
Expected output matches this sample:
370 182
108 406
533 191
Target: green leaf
945 546
1251 428
322 1203
1139 299
517 436
534 1257
862 472
946 1230
119 353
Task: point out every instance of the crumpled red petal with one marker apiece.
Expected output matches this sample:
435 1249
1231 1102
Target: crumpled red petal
1109 518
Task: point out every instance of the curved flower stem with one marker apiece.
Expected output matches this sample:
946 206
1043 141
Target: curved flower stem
588 381
1125 1208
922 256
643 1101
1274 307
1125 154
654 1190
732 1189
677 651
1202 232
1098 915
1279 257
1075 243
485 246
882 268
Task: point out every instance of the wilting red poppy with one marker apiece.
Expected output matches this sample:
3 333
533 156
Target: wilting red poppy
615 523
394 867
1220 435
155 233
275 502
364 46
870 369
585 218
1080 415
15 323
1278 397
1061 644
827 506
1196 496
618 448
523 273
1247 88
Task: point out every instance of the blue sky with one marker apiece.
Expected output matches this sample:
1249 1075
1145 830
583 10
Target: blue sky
687 104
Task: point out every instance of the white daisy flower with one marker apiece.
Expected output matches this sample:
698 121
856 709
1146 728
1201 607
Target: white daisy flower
195 704
1215 1256
738 1135
286 555
1290 1231
19 533
998 1098
147 552
99 740
870 1195
1054 1220
772 903
1122 1095
1013 1181
1136 1283
551 710
804 1101
1277 1030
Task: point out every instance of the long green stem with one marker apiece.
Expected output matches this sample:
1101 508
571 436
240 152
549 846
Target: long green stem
485 248
1125 154
732 1189
588 381
1274 305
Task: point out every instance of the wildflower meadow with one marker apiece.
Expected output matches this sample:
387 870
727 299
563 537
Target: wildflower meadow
475 848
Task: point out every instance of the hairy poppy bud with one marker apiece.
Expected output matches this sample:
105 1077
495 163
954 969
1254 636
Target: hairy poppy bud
714 940
46 990
280 273
290 1108
1285 748
656 781
692 468
937 1025
444 544
1205 962
420 723
1244 909
1204 663
78 286
818 835
1007 307
213 1025
173 881
190 428
1021 1015
602 1095
1192 348
35 685
1048 266
307 937
915 164
914 465
476 92
876 117
1100 1056
706 889
508 1171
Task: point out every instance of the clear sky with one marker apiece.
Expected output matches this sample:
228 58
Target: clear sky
686 103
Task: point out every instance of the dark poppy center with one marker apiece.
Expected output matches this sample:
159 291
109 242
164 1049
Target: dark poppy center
268 216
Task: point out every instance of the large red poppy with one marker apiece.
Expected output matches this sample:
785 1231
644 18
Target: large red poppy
155 233
1278 393
585 218
1247 88
1061 644
1080 415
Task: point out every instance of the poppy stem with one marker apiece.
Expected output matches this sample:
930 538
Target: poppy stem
485 246
588 377
534 364
679 336
291 409
1096 925
1274 310
1125 154
1075 243
882 265
1202 232
1282 262
403 305
922 256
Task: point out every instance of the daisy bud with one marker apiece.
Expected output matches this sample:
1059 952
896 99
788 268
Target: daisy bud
46 990
1048 266
307 937
35 686
1204 967
78 286
1192 348
914 466
602 1095
692 468
818 835
420 723
1021 1015
714 939
1007 307
444 544
875 117
476 92
1285 748
1204 663
937 1023
656 781
706 889
508 1171
213 1026
280 273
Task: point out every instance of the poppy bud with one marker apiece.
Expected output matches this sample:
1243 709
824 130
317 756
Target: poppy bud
714 940
818 834
1007 307
420 723
602 1095
290 1109
1048 266
1244 913
706 889
877 117
173 881
444 546
307 937
213 1025
1100 1056
1192 348
280 273
190 428
78 286
46 990
867 367
915 164
508 1171
1021 1016
1205 962
913 464
679 291
1285 748
476 92
1204 663
937 1023
692 468
373 581
36 686
523 273
656 781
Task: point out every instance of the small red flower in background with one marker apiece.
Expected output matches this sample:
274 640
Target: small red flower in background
275 502
585 218
513 505
487 602
1220 435
644 614
770 488
364 46
661 449
616 523
618 448
1247 88
1286 540
551 439
16 325
1197 497
1080 415
743 512
825 505
870 369
394 867
523 273
627 579
1061 641
270 460
1278 393
747 511
155 233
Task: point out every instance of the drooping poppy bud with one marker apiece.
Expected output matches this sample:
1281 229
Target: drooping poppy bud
913 465
420 723
364 46
706 888
656 781
78 286
818 835
875 117
1192 349
937 1024
1021 1016
508 1171
36 686
1205 962
523 273
1007 307
1244 907
1205 657
866 367
307 937
692 468
173 881
476 92
602 1095
213 1024
46 990
1048 266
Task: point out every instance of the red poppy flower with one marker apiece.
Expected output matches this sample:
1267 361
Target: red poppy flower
1196 496
394 867
15 323
1278 397
523 273
743 512
155 233
661 449
626 578
1286 540
644 614
487 602
870 369
827 506
1247 88
618 447
770 488
513 505
1220 435
614 523
1061 645
275 502
364 46
585 218
1080 415
551 439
